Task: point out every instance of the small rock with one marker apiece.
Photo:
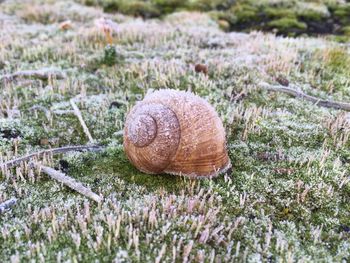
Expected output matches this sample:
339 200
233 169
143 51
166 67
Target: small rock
224 25
65 25
44 141
283 81
201 68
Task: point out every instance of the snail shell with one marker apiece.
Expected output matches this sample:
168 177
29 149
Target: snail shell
176 132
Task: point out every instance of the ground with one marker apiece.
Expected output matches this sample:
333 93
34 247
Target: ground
286 199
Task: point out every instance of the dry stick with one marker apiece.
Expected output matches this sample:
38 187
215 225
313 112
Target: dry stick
70 182
302 95
7 204
42 74
14 162
82 122
63 112
119 133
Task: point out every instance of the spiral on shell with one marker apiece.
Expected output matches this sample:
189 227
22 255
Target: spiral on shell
176 132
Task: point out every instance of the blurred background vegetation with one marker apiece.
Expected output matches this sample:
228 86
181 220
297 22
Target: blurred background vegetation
289 18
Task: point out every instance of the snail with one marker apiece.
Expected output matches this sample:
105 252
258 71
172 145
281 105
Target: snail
176 132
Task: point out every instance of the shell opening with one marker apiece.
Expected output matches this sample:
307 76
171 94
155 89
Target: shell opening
142 130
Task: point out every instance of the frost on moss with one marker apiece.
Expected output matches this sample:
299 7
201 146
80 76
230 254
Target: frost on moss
312 11
287 25
334 70
321 17
287 196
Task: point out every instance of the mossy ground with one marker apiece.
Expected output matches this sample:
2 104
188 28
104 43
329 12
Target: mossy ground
288 18
286 199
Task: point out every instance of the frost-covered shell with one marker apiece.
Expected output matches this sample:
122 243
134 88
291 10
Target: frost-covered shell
176 132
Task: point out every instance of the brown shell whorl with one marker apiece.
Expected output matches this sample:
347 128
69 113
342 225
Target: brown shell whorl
152 136
142 130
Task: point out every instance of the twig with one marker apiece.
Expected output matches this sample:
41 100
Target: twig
43 109
14 162
7 204
82 122
300 94
239 96
70 182
119 133
42 74
63 112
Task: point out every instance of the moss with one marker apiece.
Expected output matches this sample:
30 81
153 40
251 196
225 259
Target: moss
110 55
342 13
275 12
336 70
134 8
245 13
346 31
223 16
312 11
208 5
140 8
114 163
88 2
339 39
290 157
338 60
169 6
320 17
288 25
44 15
